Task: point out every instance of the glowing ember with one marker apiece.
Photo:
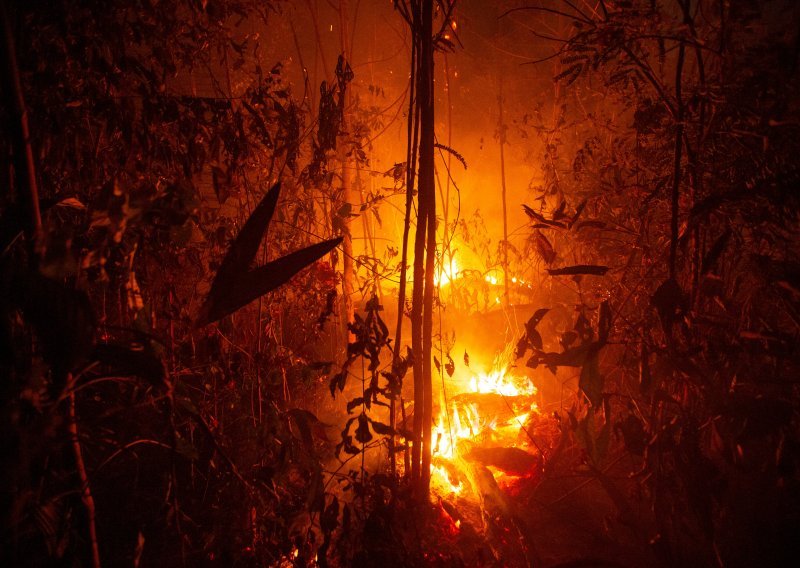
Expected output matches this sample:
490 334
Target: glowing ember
467 422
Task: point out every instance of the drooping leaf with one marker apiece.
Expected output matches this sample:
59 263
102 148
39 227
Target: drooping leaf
363 434
578 210
713 254
450 366
545 249
591 381
466 358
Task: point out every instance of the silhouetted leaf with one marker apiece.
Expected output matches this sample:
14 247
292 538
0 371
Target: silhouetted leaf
363 434
228 295
235 284
604 322
579 269
381 429
713 254
544 248
512 461
591 381
578 210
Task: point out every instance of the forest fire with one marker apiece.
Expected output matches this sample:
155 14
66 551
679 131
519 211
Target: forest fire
488 410
244 243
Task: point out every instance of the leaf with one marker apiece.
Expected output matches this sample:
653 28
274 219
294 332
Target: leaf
713 254
306 421
579 269
450 366
578 210
535 339
381 429
337 381
574 357
544 248
466 358
536 318
221 181
590 225
591 381
235 285
668 300
358 401
513 461
438 365
604 323
363 434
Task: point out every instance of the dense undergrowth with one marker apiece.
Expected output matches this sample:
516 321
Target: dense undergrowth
663 336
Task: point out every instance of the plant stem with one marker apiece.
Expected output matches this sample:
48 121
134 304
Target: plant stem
80 465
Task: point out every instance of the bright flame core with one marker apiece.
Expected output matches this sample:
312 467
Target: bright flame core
447 273
461 425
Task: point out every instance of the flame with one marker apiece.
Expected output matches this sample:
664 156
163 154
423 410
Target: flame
460 426
447 273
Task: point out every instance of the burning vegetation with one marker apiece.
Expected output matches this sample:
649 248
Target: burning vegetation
408 283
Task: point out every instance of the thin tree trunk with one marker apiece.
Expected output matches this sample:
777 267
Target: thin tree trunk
502 129
24 166
347 243
411 164
427 200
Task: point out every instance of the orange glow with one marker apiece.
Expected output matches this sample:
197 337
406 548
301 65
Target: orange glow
461 424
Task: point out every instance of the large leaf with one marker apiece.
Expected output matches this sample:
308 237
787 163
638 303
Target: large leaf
236 285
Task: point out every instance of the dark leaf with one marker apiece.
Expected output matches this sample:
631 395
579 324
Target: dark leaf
466 358
363 434
604 323
235 285
450 366
711 257
229 294
535 339
544 248
381 429
578 210
669 301
579 269
512 461
536 318
591 381
358 401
